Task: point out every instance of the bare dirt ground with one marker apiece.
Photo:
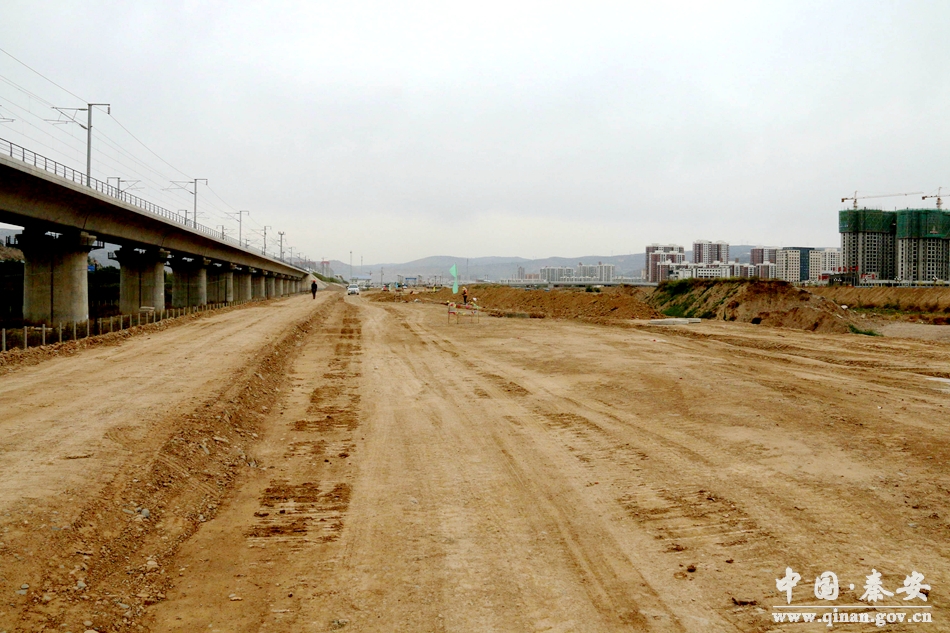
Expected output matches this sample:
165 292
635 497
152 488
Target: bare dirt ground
358 466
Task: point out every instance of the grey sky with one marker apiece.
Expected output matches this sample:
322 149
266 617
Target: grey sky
401 130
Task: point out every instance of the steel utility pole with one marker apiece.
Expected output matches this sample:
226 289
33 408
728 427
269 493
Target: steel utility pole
118 184
240 223
281 234
221 226
264 250
88 126
195 181
89 138
351 265
291 255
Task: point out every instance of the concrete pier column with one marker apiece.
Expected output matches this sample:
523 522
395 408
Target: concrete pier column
242 285
227 284
213 281
270 285
258 286
55 276
141 279
280 287
190 282
221 283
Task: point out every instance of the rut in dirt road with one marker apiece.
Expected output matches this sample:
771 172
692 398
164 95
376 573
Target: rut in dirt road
270 544
116 526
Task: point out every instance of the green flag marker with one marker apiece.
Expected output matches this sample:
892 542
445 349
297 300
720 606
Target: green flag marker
455 279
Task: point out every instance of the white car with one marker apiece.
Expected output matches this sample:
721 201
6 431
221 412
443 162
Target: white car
352 289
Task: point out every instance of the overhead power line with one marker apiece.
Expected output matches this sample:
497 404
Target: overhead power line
42 75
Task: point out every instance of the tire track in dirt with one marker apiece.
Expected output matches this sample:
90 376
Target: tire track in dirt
281 525
619 594
715 510
128 533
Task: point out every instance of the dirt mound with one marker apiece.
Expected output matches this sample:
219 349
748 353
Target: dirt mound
773 303
623 302
930 305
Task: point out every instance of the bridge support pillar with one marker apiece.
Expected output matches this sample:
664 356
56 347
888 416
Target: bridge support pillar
258 286
221 284
55 276
242 285
141 279
270 286
227 285
280 287
190 283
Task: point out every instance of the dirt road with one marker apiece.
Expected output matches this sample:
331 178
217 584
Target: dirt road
377 469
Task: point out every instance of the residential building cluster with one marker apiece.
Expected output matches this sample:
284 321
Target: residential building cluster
906 245
584 273
711 260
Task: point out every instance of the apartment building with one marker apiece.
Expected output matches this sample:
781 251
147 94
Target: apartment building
824 260
706 252
868 242
922 241
789 266
598 273
657 254
763 254
554 274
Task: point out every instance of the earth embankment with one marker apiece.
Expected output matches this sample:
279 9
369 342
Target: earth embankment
773 303
623 302
930 305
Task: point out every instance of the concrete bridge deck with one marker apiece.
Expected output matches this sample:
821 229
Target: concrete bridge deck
64 215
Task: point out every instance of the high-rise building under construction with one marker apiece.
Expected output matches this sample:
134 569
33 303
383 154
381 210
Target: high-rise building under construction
909 245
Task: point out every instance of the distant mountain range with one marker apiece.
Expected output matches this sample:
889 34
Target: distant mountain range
498 268
474 268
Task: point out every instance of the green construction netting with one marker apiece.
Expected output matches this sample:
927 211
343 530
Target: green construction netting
866 221
923 223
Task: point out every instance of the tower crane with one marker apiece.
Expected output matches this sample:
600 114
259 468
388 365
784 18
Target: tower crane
856 197
937 196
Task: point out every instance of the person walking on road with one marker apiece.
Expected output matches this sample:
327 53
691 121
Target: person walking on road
313 288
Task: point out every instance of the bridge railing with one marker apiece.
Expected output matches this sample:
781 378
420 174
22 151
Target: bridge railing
38 161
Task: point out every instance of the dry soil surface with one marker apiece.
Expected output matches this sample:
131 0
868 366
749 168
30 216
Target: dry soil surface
346 465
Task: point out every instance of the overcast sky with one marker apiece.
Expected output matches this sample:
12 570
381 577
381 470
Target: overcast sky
400 130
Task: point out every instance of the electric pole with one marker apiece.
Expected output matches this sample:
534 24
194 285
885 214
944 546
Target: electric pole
351 265
118 184
88 126
264 250
240 223
195 181
89 139
221 226
194 193
281 234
